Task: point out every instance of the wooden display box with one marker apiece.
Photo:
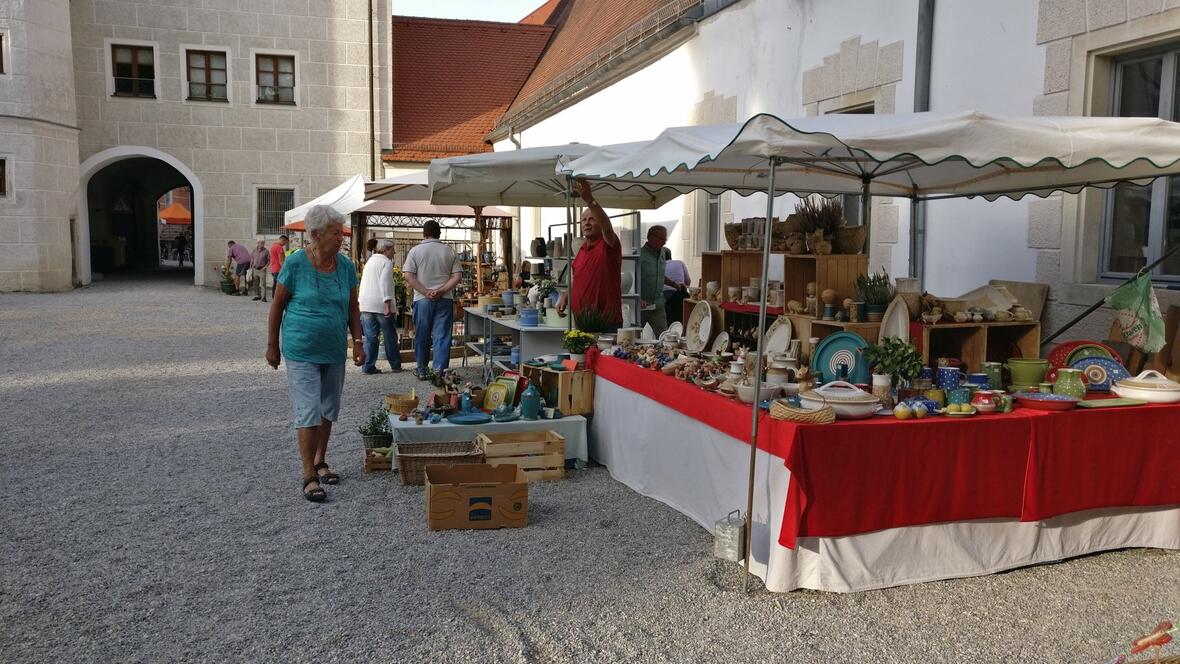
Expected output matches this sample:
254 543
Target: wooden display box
374 463
710 269
835 271
975 343
572 392
539 454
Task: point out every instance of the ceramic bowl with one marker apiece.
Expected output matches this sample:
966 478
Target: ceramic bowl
746 392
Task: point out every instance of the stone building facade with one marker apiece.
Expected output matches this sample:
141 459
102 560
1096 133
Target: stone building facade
256 105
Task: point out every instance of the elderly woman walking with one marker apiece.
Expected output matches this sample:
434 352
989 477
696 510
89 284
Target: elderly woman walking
315 304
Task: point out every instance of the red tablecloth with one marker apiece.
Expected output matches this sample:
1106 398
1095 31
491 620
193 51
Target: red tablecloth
860 476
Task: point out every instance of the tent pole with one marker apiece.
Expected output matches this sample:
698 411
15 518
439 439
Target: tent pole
865 208
566 240
758 369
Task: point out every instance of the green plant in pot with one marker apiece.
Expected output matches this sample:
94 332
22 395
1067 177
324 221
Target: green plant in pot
577 342
374 430
876 291
592 320
895 357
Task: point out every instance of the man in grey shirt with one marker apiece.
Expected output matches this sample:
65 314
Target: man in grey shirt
433 270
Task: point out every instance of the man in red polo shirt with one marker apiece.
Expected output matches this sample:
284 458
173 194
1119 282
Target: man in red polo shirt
597 281
278 254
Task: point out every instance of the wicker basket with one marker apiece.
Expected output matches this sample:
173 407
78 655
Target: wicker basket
822 415
413 457
396 402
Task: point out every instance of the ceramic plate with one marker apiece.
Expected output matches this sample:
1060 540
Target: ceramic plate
966 414
700 325
470 418
1100 372
494 396
841 348
1092 349
676 328
1042 401
721 343
778 336
896 322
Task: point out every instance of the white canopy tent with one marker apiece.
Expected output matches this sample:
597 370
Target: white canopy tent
345 198
921 156
409 187
530 177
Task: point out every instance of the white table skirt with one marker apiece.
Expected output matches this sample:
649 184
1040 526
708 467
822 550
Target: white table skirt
702 473
572 427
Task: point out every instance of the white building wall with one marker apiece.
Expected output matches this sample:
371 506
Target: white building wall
39 142
237 147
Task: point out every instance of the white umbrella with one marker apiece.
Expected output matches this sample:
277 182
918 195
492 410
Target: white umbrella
344 198
530 177
919 156
408 187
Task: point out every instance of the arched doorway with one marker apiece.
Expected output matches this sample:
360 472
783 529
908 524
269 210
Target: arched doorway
117 221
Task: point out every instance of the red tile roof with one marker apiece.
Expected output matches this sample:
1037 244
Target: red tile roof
542 14
453 79
583 26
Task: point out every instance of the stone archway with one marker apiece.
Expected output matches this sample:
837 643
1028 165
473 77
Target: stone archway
111 157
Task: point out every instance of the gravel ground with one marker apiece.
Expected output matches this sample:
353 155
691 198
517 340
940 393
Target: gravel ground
153 514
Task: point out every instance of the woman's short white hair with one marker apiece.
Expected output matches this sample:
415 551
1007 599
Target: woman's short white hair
319 217
385 245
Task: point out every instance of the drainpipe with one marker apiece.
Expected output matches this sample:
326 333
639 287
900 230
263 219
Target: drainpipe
925 49
372 110
515 138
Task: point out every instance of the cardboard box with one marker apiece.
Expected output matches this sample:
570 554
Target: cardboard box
476 495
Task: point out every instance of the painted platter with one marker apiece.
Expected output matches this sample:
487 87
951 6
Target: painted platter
699 327
841 348
721 343
1092 349
1057 356
676 328
778 336
1100 372
470 418
1045 401
896 322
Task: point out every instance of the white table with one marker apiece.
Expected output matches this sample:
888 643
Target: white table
702 473
572 427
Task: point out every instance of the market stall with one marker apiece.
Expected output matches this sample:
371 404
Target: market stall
863 505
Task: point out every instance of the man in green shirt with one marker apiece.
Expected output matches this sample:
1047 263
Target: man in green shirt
652 279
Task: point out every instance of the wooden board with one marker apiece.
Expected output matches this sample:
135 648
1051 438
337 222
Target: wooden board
1032 295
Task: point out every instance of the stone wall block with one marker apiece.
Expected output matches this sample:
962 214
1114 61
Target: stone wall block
1103 13
884 224
831 77
225 138
1057 58
238 23
153 16
812 85
138 133
1044 223
182 136
1060 18
274 26
258 139
308 27
108 12
1140 8
1054 104
203 20
886 99
889 63
849 51
880 257
866 66
1048 266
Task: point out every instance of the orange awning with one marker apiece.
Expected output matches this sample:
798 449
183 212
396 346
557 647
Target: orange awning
176 214
299 227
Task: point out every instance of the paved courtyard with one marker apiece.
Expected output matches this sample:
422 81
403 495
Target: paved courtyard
153 514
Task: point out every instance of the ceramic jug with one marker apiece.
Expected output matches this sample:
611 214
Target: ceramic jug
1069 382
530 402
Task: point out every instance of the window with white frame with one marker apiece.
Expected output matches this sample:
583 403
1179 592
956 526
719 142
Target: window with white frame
1142 223
133 68
206 75
274 76
3 60
712 222
272 203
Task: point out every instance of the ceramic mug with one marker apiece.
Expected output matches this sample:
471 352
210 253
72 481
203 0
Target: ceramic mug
981 379
993 370
949 377
958 395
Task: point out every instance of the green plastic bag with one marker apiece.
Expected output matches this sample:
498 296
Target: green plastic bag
1138 314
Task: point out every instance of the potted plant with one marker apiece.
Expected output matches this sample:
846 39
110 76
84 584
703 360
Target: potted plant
896 358
375 431
576 342
876 291
590 319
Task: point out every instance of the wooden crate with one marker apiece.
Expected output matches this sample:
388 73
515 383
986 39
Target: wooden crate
374 463
570 391
710 269
737 268
1005 340
539 454
965 341
835 271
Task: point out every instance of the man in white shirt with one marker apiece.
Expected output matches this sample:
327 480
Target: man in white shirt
433 270
378 309
675 292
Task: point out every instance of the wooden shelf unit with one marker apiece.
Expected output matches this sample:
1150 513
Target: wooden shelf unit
806 327
975 343
835 271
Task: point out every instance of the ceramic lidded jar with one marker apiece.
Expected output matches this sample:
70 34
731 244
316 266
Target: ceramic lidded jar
1069 383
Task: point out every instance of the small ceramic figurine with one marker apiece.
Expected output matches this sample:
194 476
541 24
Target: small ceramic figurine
795 307
828 296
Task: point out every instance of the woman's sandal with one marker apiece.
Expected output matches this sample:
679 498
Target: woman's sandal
317 495
328 477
